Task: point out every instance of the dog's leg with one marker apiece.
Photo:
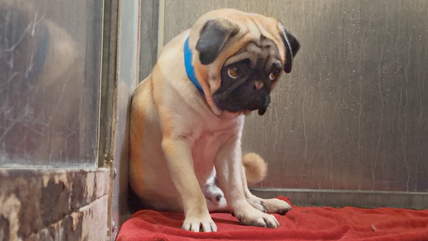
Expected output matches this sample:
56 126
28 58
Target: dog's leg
180 164
256 167
230 175
257 203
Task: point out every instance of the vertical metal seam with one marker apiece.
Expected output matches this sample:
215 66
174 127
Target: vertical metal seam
100 97
137 72
112 149
161 25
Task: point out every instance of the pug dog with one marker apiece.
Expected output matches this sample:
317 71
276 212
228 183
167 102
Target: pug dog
187 118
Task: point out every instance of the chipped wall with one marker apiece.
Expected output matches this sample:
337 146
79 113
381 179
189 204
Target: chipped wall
50 75
50 85
55 204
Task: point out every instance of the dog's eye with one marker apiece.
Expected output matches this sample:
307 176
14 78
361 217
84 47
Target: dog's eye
273 75
233 72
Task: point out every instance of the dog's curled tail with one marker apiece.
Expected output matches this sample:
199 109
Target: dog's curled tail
255 168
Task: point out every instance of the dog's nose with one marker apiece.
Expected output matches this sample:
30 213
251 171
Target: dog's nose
258 85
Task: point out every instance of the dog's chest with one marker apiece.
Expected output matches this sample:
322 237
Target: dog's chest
204 151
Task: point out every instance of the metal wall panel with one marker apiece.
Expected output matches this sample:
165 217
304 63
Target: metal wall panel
49 82
353 113
127 79
148 36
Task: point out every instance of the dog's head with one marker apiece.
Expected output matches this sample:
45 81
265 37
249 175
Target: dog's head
240 57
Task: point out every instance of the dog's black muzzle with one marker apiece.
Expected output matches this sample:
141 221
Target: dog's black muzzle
260 102
264 106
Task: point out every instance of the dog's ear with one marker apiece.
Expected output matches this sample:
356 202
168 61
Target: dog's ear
212 38
291 48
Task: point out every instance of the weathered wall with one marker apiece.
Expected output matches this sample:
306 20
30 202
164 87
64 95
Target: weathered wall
53 204
50 76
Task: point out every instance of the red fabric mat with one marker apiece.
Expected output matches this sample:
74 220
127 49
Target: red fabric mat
301 223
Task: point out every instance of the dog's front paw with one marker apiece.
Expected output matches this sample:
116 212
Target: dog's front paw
272 205
276 206
253 217
199 224
258 204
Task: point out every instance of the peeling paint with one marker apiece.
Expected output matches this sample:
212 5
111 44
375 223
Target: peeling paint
71 205
58 177
9 219
54 201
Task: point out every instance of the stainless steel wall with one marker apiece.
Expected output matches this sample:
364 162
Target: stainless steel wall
127 69
49 82
353 114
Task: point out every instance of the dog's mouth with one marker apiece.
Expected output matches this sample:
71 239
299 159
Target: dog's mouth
234 102
261 104
263 108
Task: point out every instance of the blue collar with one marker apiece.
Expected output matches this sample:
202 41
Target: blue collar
190 70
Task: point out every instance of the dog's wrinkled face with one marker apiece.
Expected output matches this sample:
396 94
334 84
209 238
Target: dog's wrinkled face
248 77
252 51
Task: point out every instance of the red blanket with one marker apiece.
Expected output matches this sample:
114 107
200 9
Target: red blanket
301 223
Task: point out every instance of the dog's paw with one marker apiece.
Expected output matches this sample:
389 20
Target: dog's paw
213 193
274 205
199 224
258 204
248 215
258 219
